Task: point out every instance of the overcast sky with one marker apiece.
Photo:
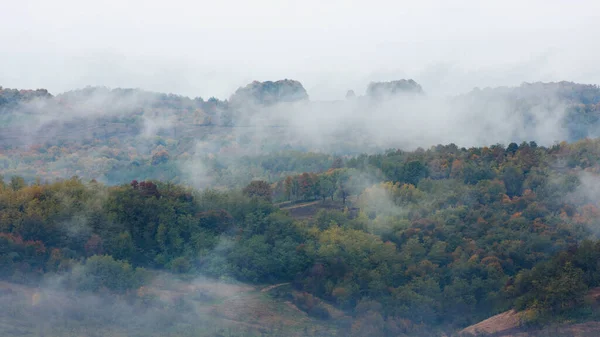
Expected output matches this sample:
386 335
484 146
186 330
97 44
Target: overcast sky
209 48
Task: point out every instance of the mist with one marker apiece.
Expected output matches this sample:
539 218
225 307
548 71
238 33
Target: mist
166 306
369 124
181 94
114 131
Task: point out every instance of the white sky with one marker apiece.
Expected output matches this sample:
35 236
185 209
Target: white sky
209 48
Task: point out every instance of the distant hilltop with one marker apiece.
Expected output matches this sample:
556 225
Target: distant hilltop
288 90
257 93
267 93
567 91
380 89
9 98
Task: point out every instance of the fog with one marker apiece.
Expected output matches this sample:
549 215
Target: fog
211 48
368 124
134 125
166 306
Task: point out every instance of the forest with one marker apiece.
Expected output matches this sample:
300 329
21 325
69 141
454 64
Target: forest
276 215
402 242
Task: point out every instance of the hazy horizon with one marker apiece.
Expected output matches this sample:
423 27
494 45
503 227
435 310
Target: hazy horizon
212 49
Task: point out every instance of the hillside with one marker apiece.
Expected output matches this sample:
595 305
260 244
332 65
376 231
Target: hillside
414 243
168 307
299 169
118 135
400 242
576 105
505 325
515 324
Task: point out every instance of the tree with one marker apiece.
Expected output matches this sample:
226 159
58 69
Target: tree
512 148
457 169
287 187
343 186
122 247
414 171
102 271
17 183
94 245
337 163
259 189
326 187
567 290
305 185
161 156
147 188
513 179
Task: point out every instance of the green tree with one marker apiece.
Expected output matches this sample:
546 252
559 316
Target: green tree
512 148
513 179
17 183
414 171
103 271
288 186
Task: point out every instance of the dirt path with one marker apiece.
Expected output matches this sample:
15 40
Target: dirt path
266 289
302 205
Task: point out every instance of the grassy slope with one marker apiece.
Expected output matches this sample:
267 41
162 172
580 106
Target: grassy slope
509 324
180 308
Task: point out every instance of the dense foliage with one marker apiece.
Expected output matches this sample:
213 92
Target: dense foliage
402 241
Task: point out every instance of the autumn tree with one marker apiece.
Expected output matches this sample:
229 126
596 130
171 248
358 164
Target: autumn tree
287 188
305 184
259 189
94 245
